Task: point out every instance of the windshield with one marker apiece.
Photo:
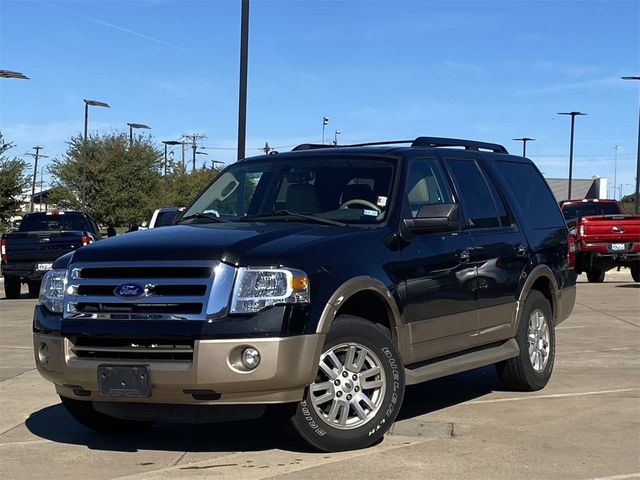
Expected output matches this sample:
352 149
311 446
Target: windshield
56 223
579 210
349 190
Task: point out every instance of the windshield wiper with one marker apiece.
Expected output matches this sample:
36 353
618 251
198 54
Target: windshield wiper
287 213
209 216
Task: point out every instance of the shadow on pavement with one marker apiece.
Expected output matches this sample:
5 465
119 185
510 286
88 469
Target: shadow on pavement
272 432
629 285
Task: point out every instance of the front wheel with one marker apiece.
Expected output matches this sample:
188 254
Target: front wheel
635 271
358 389
532 368
595 275
88 416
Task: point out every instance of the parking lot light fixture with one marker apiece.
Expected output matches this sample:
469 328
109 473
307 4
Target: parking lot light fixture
335 137
87 104
13 74
131 127
524 141
637 195
573 121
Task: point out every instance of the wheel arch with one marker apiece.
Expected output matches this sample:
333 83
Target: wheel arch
362 296
541 278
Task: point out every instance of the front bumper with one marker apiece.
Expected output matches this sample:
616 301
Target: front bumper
210 377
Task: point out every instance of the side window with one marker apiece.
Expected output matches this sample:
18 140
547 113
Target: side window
426 185
505 218
532 194
475 195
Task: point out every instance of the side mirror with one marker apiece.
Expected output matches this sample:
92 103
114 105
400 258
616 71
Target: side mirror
442 217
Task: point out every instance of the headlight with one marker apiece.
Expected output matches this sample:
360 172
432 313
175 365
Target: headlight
258 288
52 289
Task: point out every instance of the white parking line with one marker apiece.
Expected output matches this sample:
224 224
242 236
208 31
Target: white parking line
620 477
557 395
601 351
568 328
31 442
16 347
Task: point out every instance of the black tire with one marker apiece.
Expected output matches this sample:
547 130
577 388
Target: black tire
595 275
635 271
88 416
12 287
34 288
310 423
518 373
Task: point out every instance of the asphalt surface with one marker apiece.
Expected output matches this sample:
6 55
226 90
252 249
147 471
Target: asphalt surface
585 424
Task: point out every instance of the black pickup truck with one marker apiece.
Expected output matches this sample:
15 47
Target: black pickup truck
42 237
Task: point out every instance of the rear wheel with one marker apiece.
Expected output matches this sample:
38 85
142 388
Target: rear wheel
595 275
12 287
358 389
88 416
635 271
34 288
532 368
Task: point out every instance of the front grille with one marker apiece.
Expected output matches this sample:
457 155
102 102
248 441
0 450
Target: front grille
167 291
132 349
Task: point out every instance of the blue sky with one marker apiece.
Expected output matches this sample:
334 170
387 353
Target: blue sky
488 70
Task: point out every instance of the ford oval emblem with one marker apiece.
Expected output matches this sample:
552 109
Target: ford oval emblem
129 290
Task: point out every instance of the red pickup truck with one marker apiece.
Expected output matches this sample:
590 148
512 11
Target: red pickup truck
605 237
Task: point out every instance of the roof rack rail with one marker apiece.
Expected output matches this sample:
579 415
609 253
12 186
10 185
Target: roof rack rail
434 142
431 142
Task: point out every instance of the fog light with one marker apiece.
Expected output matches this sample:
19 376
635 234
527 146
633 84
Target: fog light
43 353
250 358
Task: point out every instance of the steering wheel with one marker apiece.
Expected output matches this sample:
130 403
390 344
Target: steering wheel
360 201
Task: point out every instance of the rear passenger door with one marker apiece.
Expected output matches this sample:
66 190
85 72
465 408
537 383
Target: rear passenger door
499 249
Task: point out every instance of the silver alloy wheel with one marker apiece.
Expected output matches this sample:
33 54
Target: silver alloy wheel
350 386
539 340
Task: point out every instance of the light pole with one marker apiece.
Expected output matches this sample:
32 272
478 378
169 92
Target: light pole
335 137
325 122
573 121
131 127
12 74
637 196
615 168
36 156
524 141
87 104
242 101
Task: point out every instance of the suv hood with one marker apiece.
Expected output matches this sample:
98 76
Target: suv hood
235 243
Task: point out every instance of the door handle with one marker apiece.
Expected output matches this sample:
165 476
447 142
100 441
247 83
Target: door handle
464 255
521 250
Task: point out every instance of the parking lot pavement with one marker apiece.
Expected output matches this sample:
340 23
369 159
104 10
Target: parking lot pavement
584 424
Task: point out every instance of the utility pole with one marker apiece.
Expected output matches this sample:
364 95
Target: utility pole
36 156
615 169
193 137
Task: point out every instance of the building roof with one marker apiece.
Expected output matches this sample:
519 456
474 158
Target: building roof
580 188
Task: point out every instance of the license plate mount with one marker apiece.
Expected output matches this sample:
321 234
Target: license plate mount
43 267
132 381
617 247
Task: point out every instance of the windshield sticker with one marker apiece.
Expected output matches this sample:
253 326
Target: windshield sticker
370 213
381 201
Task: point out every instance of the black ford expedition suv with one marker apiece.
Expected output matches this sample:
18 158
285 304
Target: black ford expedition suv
325 279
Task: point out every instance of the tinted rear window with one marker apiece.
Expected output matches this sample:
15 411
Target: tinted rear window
579 210
53 223
532 194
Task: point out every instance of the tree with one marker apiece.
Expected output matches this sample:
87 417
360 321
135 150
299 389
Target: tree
123 182
628 203
182 187
13 182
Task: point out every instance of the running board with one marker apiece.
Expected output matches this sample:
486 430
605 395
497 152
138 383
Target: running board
462 362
